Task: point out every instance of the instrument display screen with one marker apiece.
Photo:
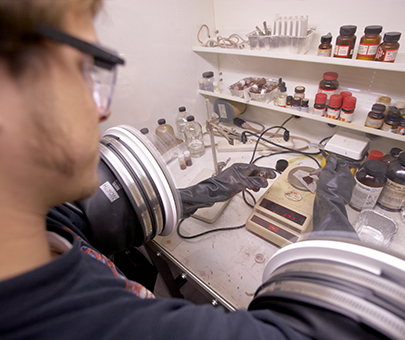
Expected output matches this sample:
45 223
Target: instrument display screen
284 212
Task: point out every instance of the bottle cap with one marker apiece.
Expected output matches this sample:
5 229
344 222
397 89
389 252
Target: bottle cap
392 36
335 100
299 89
321 98
208 74
144 131
182 109
375 154
161 121
395 152
349 103
400 105
330 76
326 38
187 153
401 158
394 114
289 99
348 30
345 94
384 100
190 118
373 29
375 168
283 88
379 108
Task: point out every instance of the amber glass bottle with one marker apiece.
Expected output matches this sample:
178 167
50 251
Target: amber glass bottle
369 43
387 51
345 42
325 47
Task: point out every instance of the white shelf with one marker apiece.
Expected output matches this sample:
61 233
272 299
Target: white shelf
271 106
397 66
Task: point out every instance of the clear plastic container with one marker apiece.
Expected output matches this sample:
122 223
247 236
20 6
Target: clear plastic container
181 120
194 137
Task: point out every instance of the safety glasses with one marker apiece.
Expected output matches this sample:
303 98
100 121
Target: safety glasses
99 67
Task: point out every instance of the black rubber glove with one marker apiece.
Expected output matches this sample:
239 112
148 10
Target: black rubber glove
222 187
334 190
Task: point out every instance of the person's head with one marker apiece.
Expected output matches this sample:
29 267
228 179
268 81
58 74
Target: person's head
48 114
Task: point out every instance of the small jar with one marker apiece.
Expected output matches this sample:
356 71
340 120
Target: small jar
296 104
401 127
299 92
370 181
320 104
335 104
325 47
289 101
391 156
305 105
369 43
391 121
400 105
208 81
388 50
348 106
375 117
345 42
329 84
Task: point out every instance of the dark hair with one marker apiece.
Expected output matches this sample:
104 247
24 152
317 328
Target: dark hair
19 20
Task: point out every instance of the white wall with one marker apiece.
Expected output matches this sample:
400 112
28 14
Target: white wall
161 73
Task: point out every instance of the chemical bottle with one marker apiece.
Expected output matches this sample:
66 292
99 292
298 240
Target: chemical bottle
401 127
370 180
152 139
388 50
165 136
289 101
299 92
320 104
208 78
194 137
182 162
304 105
393 194
325 47
345 42
329 84
369 43
187 157
181 120
335 103
345 94
392 120
296 104
386 101
282 96
391 156
348 106
375 117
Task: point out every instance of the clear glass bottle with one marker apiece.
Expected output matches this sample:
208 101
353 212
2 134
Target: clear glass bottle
187 157
370 180
393 194
194 137
282 96
369 43
181 120
165 136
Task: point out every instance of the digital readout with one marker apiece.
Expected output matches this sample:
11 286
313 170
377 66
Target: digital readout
283 211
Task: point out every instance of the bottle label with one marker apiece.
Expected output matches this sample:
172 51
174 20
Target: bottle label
388 55
319 112
364 197
374 123
401 130
333 113
346 117
392 195
341 51
367 50
222 111
325 53
389 128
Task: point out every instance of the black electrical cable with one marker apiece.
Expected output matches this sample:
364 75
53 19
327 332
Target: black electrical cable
205 232
278 145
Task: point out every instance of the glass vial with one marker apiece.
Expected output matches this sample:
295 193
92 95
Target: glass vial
182 162
165 136
388 50
181 120
282 96
320 104
369 43
187 157
370 180
208 81
194 137
345 42
305 105
325 47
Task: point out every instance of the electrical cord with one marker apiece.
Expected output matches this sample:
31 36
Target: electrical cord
205 232
233 41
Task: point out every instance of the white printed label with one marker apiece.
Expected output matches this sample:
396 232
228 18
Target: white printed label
333 113
342 51
364 197
109 191
346 117
374 123
222 111
319 112
367 50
